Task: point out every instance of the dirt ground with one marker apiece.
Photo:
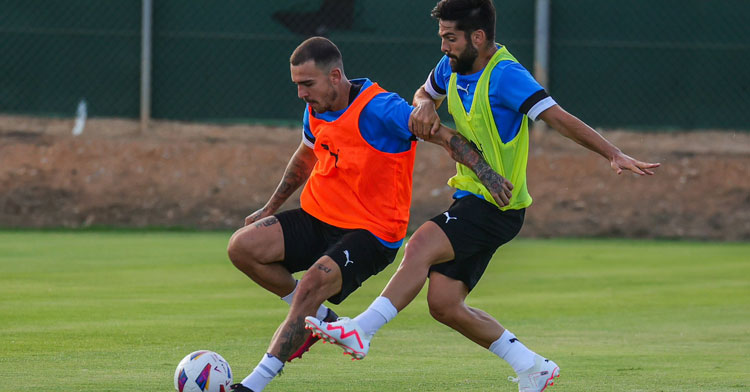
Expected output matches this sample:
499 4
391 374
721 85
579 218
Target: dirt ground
211 177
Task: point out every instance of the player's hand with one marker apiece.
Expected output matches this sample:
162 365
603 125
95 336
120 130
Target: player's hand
622 162
500 188
424 120
256 216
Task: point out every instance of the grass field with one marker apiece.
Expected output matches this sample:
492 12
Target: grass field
116 311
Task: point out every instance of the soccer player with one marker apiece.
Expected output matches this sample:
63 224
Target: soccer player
491 97
356 156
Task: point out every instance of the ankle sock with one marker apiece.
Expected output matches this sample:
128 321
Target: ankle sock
513 351
266 370
378 314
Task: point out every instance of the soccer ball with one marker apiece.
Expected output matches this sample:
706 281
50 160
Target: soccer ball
203 371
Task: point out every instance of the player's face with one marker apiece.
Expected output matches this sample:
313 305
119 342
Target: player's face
314 86
454 44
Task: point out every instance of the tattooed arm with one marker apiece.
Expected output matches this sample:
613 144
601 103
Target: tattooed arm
466 153
297 171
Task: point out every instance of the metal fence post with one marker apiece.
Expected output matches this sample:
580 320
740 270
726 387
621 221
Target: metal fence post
541 43
541 56
146 25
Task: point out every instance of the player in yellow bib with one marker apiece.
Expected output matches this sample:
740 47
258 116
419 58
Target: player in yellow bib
491 98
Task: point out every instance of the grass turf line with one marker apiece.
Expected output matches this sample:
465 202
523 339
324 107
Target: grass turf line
116 311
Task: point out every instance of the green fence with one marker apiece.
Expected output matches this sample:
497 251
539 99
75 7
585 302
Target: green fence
653 64
56 52
637 64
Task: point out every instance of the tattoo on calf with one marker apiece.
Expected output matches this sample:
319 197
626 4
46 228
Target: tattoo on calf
293 337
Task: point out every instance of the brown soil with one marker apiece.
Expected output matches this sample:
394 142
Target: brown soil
211 177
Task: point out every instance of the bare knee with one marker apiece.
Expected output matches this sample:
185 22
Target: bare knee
428 246
443 311
235 249
308 294
314 288
415 249
243 250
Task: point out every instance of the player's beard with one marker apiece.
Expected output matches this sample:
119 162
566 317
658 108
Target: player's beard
464 62
333 97
327 103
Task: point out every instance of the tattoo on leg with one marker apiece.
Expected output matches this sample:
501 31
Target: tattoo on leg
292 338
270 221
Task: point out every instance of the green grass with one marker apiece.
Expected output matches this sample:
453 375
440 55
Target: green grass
116 311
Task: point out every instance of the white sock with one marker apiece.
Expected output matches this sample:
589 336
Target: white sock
513 351
289 297
266 370
322 310
380 312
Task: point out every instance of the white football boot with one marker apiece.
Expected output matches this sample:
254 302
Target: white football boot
538 377
344 333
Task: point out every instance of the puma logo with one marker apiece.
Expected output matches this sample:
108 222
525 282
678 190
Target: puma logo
347 262
334 155
465 89
513 340
448 217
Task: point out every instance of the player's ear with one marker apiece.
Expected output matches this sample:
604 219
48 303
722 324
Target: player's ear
335 75
478 38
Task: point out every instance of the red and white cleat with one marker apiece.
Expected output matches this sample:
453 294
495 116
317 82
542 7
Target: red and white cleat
538 377
311 339
344 333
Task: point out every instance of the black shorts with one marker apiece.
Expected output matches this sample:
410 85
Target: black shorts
357 252
475 228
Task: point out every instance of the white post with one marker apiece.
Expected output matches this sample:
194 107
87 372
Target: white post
541 43
146 24
541 56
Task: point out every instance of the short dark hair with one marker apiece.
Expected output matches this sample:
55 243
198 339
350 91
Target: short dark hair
469 15
319 49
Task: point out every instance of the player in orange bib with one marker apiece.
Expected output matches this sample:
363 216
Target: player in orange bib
356 161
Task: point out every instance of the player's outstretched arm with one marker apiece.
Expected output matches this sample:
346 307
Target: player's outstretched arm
573 128
297 171
464 152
